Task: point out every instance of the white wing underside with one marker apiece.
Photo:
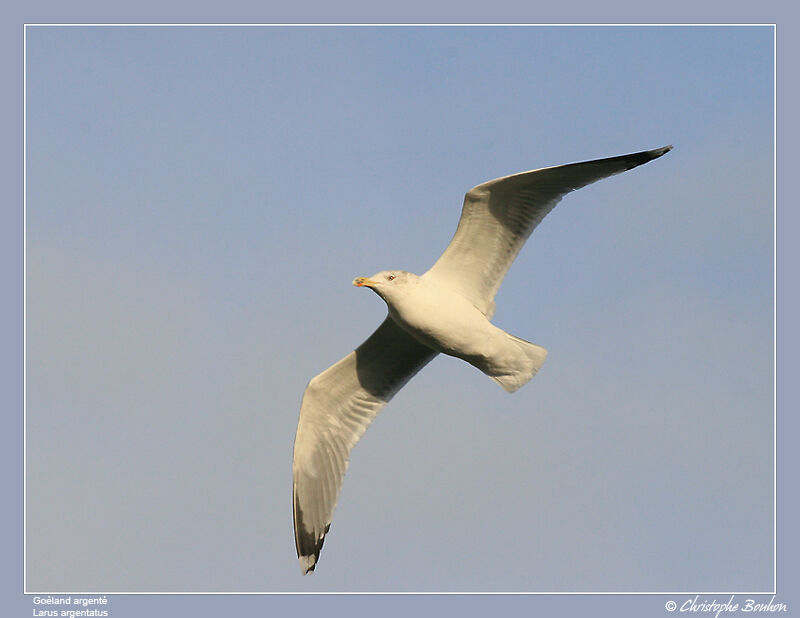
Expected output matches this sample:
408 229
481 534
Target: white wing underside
339 404
498 217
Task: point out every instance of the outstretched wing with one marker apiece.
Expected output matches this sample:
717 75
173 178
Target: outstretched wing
338 406
499 216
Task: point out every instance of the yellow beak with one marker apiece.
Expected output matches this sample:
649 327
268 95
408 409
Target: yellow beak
363 281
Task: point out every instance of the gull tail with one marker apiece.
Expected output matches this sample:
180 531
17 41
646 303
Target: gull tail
518 363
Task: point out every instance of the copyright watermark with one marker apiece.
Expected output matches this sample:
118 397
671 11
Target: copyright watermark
732 605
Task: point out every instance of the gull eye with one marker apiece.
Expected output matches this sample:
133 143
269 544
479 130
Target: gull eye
389 277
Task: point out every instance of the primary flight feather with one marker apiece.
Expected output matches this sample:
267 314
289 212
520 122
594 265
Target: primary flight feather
447 310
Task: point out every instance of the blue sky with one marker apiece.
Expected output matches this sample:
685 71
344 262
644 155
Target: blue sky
198 201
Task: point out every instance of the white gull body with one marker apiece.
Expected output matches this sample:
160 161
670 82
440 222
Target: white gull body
444 320
446 310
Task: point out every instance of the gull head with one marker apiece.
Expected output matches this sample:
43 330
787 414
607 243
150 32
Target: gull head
387 283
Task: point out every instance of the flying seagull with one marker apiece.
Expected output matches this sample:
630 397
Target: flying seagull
446 310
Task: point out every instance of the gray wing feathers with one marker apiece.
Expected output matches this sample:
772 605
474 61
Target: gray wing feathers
498 217
338 406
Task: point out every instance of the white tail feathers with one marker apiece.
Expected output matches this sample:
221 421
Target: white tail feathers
520 365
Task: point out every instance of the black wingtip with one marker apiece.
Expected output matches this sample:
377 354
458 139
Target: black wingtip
639 158
308 561
307 543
